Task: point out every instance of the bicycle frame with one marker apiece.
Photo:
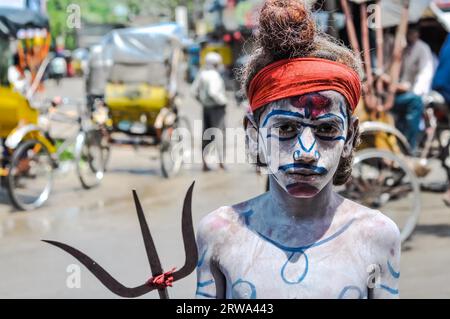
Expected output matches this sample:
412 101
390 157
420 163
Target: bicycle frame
30 131
374 127
431 129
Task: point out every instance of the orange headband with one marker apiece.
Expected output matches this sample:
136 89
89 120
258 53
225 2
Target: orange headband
293 77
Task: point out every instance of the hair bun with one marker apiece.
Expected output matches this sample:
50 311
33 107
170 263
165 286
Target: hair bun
286 28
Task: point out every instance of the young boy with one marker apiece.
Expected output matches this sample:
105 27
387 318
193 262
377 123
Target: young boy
300 239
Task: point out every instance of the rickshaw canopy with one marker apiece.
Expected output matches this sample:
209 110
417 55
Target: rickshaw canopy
137 70
142 45
139 54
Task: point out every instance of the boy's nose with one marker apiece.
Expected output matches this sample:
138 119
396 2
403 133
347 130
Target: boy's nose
306 147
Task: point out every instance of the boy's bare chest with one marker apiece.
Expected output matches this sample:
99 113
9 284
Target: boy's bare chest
259 267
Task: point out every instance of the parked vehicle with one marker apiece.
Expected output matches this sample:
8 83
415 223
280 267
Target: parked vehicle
135 71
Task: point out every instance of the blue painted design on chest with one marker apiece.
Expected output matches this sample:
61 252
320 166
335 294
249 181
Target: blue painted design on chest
243 284
392 291
348 289
202 259
295 250
393 273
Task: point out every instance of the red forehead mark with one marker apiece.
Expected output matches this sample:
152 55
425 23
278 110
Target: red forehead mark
315 104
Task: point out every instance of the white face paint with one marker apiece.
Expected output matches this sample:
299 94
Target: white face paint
300 231
312 132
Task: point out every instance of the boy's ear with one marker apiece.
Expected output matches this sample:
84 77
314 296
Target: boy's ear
351 136
251 131
251 127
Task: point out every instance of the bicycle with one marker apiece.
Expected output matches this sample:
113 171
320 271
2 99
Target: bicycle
389 179
35 155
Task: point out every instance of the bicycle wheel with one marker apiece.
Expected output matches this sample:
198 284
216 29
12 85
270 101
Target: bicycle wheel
30 176
382 180
89 158
174 140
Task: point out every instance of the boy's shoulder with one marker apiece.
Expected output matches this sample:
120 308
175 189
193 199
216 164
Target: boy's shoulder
223 221
372 225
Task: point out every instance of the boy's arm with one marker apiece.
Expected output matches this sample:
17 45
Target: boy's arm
210 280
387 271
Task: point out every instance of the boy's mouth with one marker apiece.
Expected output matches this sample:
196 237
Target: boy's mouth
303 172
303 169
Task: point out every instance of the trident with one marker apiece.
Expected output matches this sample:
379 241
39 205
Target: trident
160 280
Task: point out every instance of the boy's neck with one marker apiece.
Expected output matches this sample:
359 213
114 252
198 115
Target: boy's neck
282 204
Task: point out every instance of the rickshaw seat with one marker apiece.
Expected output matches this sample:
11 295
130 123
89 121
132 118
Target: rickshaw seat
15 110
129 102
379 140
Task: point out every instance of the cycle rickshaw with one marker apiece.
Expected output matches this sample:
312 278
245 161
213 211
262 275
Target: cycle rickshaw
29 154
134 72
386 170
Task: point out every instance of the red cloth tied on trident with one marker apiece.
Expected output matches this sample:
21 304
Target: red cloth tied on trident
298 76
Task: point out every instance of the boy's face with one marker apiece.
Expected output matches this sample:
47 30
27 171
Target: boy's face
311 131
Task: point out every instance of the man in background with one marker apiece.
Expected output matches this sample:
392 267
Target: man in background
209 89
415 82
19 78
441 84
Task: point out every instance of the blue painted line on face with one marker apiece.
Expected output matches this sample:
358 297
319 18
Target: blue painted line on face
204 294
205 283
331 115
341 109
316 169
281 112
349 288
389 289
329 138
307 150
394 273
302 276
244 282
317 155
281 138
202 259
324 138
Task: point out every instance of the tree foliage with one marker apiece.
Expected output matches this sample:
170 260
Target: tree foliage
103 12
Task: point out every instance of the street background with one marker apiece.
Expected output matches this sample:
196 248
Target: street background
102 223
97 42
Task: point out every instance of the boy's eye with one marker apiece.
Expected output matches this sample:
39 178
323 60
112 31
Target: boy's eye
326 129
286 129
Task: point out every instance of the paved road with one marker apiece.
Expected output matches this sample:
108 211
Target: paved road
103 223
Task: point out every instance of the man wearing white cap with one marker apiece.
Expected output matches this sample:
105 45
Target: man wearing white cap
209 89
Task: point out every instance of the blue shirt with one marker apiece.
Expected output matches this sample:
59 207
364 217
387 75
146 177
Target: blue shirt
441 81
